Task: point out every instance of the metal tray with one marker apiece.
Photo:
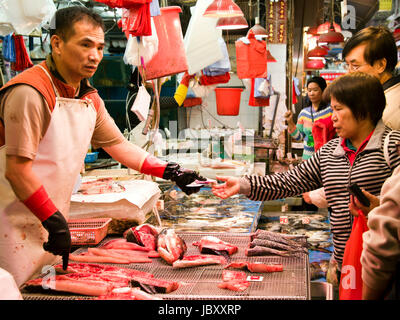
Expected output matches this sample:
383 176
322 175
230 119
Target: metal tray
200 283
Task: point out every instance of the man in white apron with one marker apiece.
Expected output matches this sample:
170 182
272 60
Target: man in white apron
49 114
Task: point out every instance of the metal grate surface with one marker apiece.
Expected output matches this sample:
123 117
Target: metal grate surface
201 282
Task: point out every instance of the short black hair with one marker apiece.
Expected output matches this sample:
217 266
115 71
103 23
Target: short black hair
380 44
64 19
319 81
361 92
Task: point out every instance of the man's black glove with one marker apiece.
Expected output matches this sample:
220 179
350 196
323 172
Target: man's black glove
182 177
59 241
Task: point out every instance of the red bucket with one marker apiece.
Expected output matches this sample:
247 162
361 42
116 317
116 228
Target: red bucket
228 101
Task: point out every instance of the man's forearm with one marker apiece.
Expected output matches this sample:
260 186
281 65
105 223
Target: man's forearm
128 154
22 179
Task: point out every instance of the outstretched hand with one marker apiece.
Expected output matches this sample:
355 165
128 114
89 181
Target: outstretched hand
227 189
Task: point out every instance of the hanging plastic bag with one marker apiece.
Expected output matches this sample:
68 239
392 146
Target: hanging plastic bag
142 103
254 101
146 48
5 24
26 15
122 3
155 8
350 287
222 66
139 20
263 87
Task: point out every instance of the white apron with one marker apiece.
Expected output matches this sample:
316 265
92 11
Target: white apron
58 161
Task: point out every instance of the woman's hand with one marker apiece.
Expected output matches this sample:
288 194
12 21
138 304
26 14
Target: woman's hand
355 205
306 197
227 189
289 118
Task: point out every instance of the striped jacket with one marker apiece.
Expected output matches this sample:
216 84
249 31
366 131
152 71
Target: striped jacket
330 168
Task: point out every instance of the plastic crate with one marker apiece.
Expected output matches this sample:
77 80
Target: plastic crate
88 231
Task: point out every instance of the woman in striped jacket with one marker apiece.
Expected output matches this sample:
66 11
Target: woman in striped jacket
357 155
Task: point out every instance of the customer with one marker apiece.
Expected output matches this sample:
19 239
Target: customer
373 50
317 109
380 257
357 155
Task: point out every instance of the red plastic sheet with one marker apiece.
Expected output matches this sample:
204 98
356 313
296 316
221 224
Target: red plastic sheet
22 59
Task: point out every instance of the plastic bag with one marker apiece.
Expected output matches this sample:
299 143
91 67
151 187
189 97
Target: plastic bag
142 103
146 48
9 48
350 287
26 15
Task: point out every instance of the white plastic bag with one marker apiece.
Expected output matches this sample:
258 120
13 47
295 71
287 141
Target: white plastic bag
146 48
142 103
26 15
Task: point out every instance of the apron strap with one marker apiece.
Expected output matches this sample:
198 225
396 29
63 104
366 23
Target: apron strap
51 80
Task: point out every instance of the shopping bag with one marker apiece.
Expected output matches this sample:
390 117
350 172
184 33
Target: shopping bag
142 103
350 287
144 47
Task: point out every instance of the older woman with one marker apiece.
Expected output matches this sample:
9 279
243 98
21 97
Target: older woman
357 155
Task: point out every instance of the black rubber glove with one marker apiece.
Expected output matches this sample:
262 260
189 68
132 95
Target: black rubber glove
59 241
182 177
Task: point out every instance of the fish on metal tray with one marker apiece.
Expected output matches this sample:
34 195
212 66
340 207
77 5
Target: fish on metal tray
318 269
256 266
198 260
211 244
170 246
276 245
144 235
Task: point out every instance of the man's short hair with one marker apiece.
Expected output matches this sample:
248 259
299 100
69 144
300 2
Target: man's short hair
62 23
361 92
380 44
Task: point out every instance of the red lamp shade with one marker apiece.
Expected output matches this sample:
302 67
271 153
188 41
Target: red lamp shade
325 27
331 37
313 31
258 29
317 52
223 8
232 23
315 64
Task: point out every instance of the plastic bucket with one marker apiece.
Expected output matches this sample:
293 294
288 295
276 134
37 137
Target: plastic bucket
228 101
171 56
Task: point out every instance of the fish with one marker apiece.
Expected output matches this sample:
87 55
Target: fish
229 275
211 244
170 246
289 240
319 269
86 257
198 260
234 285
154 285
256 266
260 251
132 258
276 245
127 293
62 283
123 244
144 235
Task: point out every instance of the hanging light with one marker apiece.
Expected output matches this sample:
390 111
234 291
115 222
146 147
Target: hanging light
312 31
324 28
315 64
232 23
257 29
333 34
317 52
331 37
223 8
